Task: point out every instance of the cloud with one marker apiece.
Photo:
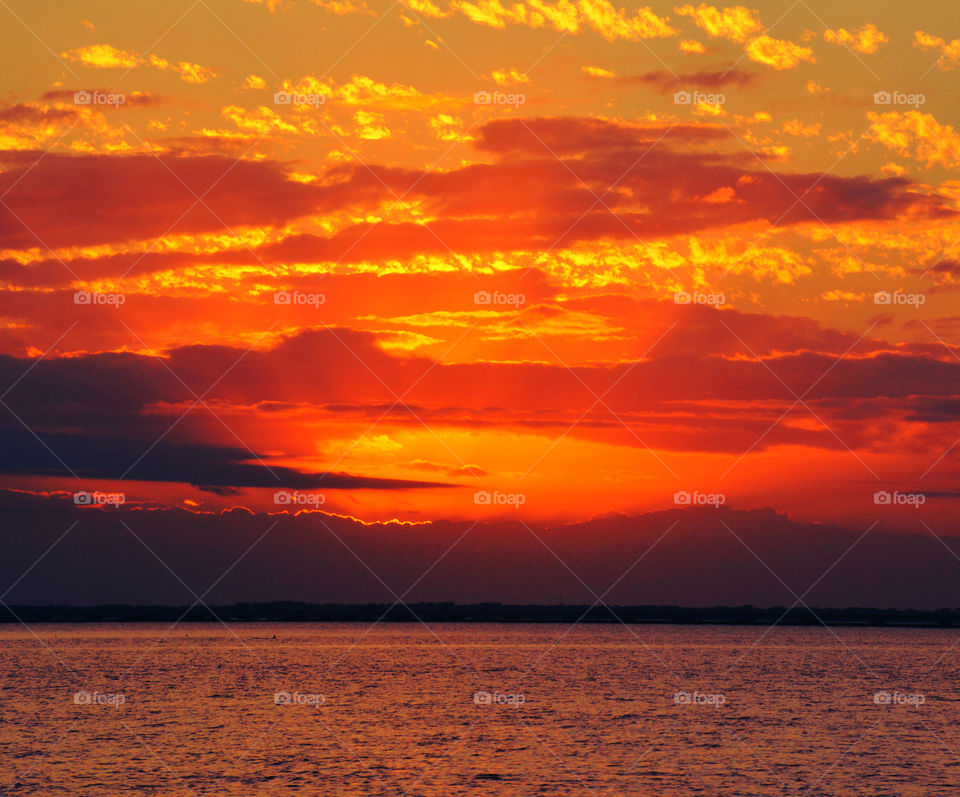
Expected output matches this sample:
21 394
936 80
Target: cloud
950 51
736 23
25 126
106 56
103 56
363 92
213 468
272 5
69 200
136 399
342 7
577 135
684 557
741 25
471 471
508 77
596 71
254 82
540 193
692 47
916 134
866 39
777 53
64 121
666 82
132 99
565 16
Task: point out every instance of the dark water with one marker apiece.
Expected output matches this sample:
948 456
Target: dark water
393 709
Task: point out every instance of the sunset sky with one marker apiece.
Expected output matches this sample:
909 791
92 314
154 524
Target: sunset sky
398 253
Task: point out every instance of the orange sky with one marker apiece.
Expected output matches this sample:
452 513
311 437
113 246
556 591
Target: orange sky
584 254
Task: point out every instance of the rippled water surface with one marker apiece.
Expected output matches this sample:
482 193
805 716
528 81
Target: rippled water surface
355 709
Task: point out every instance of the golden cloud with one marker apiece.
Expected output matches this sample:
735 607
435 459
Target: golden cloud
106 56
736 23
864 40
691 46
600 16
777 53
950 50
916 134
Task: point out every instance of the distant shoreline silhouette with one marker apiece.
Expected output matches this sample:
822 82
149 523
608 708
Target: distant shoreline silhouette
484 613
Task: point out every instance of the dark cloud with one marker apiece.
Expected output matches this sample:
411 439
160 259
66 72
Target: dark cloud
942 267
701 390
23 114
67 200
679 557
213 468
132 99
666 82
543 190
566 135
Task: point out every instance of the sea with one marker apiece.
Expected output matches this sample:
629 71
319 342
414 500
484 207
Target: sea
477 709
